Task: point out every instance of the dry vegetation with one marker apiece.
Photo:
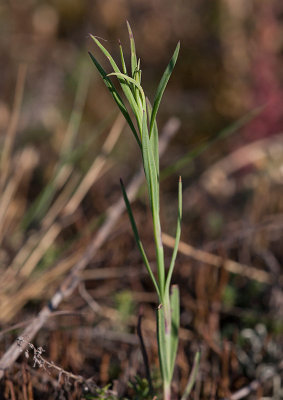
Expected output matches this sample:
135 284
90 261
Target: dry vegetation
72 281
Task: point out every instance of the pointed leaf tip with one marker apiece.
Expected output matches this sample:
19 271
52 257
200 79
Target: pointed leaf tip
130 30
162 85
96 38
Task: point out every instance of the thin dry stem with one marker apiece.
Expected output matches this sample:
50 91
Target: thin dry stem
22 165
12 129
217 261
38 243
95 170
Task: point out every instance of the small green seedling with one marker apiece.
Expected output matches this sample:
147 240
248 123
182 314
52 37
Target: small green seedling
145 131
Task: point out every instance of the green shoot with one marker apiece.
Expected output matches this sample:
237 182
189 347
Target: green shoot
145 131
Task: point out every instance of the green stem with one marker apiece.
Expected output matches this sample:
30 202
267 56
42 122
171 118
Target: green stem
159 254
166 390
167 332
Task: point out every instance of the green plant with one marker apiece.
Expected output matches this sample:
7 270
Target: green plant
141 388
145 131
101 394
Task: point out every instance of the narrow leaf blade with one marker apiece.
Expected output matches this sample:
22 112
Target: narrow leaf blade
150 168
124 85
162 85
133 50
137 237
153 189
177 239
154 138
145 155
175 323
162 350
106 53
116 97
192 377
130 80
122 59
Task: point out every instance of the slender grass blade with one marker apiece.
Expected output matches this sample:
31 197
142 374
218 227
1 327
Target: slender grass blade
175 323
130 80
122 58
106 53
192 378
162 343
153 138
145 155
124 84
137 237
133 50
150 168
153 189
116 97
162 85
177 239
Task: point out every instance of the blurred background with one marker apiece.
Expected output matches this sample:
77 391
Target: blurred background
59 178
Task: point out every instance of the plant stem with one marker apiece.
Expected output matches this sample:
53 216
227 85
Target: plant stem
159 252
166 391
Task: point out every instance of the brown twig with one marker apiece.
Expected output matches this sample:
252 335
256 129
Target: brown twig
39 361
217 261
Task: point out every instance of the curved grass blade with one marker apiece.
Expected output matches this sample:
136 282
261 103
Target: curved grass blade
150 172
130 80
192 378
133 50
124 85
122 58
154 138
175 323
106 53
137 237
177 239
146 160
150 167
162 85
116 97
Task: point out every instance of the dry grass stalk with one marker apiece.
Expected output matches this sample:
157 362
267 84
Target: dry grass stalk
6 155
39 242
23 164
217 261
